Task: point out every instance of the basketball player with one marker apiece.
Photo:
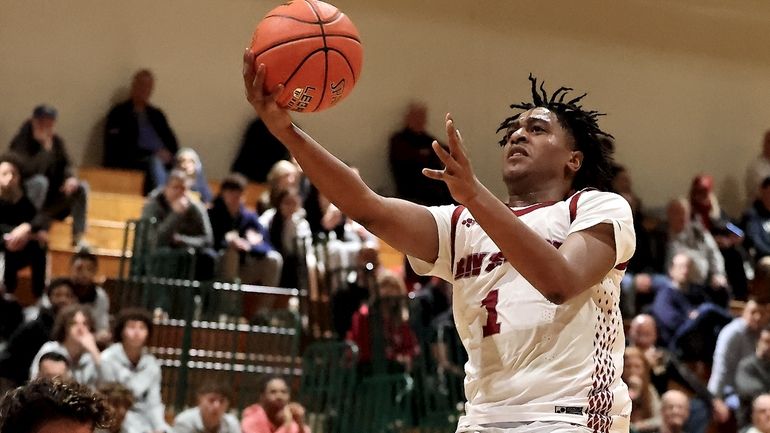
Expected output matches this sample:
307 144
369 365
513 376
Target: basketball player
536 279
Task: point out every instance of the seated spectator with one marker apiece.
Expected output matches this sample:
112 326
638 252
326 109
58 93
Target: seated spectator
53 365
45 160
120 400
756 221
388 306
83 268
129 363
259 151
752 376
274 413
760 415
137 135
343 238
11 315
287 227
187 160
182 222
728 236
645 412
26 341
46 406
674 411
24 232
688 324
282 175
689 236
243 243
738 340
666 369
211 413
73 337
409 153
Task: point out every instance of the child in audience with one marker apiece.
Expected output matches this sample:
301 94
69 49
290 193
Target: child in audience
211 413
83 268
73 337
286 225
53 365
129 363
274 413
120 400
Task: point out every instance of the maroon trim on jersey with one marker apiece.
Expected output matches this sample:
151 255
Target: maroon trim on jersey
455 219
530 208
573 202
622 266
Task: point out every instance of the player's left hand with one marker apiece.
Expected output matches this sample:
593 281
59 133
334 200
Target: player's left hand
457 173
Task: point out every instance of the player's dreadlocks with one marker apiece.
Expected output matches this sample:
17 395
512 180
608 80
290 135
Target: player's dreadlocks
595 171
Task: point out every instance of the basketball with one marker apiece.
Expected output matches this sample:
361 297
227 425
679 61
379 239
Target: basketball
313 49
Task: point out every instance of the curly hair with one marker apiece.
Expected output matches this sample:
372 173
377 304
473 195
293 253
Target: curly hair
595 172
27 408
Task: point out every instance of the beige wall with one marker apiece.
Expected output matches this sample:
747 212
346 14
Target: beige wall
685 82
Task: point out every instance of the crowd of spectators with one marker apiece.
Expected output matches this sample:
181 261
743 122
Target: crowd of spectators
695 298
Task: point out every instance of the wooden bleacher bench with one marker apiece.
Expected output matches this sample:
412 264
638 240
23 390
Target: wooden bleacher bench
113 180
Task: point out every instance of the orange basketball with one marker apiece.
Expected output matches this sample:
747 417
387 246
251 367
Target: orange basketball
313 49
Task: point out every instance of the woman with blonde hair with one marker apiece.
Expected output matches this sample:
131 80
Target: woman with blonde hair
645 412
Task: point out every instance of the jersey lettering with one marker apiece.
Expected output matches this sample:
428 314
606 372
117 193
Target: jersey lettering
495 260
470 266
490 303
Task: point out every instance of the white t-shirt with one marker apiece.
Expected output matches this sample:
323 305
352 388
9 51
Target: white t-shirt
530 359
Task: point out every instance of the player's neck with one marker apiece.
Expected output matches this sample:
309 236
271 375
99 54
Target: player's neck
530 197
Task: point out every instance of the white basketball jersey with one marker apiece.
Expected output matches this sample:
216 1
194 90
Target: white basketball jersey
530 359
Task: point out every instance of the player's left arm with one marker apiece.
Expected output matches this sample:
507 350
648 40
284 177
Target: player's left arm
582 261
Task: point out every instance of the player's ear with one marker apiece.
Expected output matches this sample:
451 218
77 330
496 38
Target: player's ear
575 161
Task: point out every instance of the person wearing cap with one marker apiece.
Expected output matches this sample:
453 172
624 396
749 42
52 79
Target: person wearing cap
137 135
51 185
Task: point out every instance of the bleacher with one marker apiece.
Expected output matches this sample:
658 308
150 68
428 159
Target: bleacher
203 331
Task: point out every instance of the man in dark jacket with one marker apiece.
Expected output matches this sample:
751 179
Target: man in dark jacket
51 183
244 244
23 229
137 135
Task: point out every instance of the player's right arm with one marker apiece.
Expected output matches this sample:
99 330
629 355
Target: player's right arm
406 226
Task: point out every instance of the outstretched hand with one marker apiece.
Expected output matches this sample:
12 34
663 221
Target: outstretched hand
264 102
457 173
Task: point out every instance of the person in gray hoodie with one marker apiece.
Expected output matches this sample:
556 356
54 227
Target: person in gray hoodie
128 363
182 222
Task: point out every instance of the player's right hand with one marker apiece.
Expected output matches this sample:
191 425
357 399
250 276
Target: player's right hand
263 100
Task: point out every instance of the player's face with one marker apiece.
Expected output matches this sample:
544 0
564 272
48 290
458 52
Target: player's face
760 414
538 145
276 395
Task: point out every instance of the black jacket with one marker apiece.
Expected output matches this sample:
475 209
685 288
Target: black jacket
121 136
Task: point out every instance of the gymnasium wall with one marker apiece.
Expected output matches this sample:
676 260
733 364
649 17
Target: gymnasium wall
685 82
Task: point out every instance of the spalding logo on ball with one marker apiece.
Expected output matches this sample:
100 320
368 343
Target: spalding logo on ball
313 49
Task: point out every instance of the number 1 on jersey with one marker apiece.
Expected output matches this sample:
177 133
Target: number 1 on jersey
490 303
